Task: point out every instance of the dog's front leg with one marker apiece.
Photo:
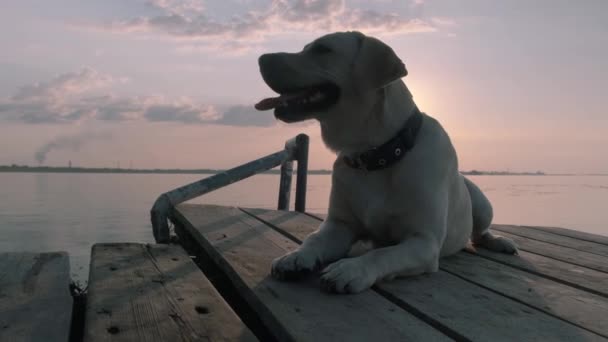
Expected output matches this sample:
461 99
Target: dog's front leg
413 256
329 243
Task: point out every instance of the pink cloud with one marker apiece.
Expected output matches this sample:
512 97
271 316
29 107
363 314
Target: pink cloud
78 96
279 18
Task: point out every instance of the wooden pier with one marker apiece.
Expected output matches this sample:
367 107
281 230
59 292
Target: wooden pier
212 284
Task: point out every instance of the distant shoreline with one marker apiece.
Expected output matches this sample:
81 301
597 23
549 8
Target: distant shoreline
61 169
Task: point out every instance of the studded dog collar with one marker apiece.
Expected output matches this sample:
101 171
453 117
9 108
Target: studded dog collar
390 152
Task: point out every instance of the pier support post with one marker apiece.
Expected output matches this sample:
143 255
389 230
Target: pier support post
302 142
285 185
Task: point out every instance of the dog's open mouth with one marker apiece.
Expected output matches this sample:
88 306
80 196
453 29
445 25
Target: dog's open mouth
300 104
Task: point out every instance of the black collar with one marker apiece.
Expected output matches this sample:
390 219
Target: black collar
390 152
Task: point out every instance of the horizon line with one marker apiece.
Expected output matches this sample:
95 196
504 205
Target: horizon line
80 169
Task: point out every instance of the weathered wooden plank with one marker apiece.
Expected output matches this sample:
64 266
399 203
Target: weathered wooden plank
573 256
560 240
475 312
574 234
565 271
573 275
35 300
480 314
574 305
244 248
154 293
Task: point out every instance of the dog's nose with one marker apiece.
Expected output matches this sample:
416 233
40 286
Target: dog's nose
263 59
276 70
267 59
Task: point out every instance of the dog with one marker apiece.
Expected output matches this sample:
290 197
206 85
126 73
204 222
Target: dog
395 181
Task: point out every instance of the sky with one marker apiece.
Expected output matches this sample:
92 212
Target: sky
519 85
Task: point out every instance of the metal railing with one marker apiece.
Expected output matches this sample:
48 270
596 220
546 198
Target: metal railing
295 149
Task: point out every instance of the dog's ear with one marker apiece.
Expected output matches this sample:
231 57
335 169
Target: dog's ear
377 63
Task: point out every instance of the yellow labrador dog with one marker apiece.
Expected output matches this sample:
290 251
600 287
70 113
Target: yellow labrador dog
395 181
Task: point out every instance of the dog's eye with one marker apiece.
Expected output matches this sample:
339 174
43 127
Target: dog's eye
320 49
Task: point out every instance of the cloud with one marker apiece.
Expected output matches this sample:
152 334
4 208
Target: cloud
73 142
443 21
280 17
245 116
184 113
64 85
227 47
55 101
177 6
79 96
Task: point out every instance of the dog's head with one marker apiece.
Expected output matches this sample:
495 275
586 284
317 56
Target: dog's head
334 75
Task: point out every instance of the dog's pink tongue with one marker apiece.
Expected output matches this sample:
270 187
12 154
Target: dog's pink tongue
269 103
273 102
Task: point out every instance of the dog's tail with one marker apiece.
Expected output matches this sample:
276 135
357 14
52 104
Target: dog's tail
482 209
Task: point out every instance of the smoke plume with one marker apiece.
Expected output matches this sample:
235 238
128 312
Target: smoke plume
73 142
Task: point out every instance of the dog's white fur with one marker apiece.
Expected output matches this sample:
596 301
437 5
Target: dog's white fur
415 211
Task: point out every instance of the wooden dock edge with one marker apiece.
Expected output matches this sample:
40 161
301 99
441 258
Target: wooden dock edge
35 297
135 291
145 292
222 283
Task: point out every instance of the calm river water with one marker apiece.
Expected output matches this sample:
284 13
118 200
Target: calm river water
70 211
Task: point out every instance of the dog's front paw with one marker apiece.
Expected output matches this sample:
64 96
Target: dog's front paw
294 265
347 276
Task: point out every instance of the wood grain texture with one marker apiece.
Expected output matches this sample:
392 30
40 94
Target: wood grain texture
560 240
516 305
154 293
567 273
571 304
244 248
35 300
574 234
480 314
569 255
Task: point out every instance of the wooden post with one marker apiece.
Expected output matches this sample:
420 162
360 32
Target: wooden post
285 185
302 141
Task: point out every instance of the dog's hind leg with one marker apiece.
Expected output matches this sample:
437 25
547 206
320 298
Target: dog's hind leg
482 218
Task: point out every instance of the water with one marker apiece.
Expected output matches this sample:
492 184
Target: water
50 212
